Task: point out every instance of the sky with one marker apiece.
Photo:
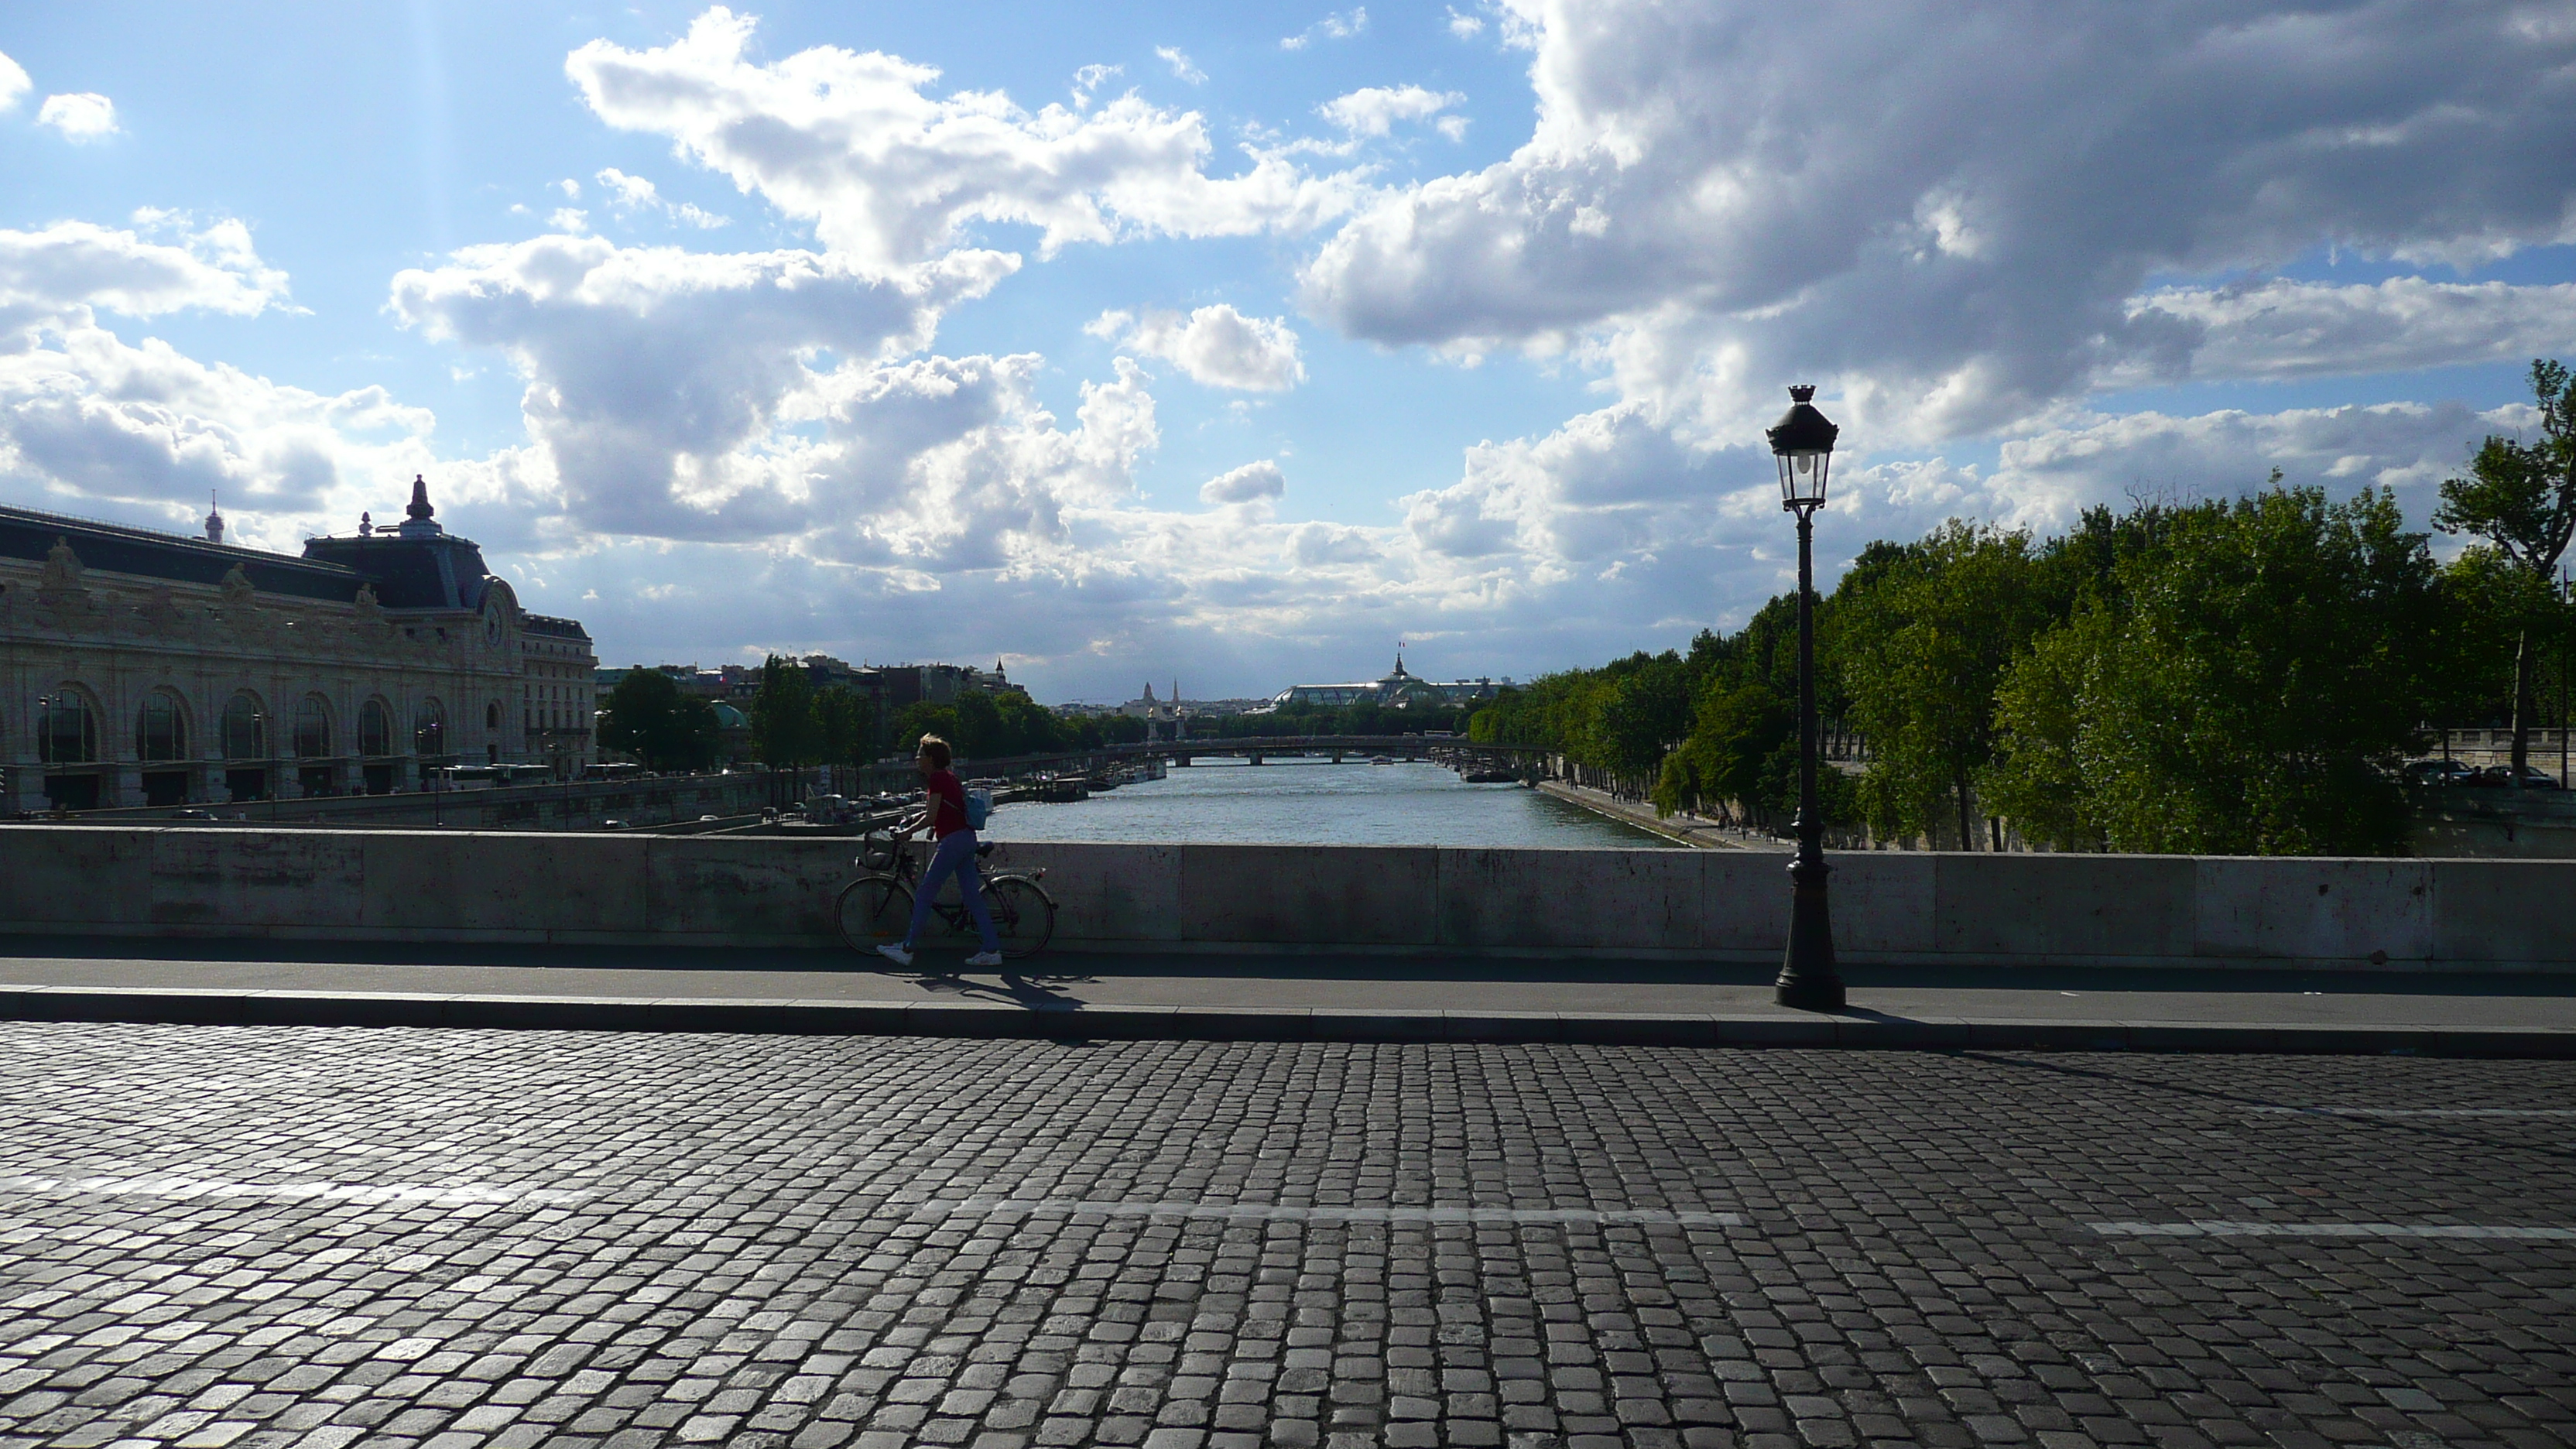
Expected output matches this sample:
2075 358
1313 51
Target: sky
1236 344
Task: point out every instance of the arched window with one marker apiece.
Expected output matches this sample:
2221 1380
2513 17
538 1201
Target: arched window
428 729
245 729
375 728
161 730
67 729
312 728
492 716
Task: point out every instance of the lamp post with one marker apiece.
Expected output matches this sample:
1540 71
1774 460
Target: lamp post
1803 442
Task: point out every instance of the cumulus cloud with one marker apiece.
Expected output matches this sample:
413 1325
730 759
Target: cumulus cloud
1217 346
2283 329
1374 110
656 376
1705 222
81 116
889 175
1183 68
1338 25
14 83
88 419
631 194
1465 27
75 265
1251 483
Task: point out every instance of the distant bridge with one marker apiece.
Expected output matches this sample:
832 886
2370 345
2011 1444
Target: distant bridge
1256 748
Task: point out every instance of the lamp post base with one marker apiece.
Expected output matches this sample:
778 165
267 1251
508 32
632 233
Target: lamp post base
1808 980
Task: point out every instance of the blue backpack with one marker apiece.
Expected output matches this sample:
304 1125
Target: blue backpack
979 807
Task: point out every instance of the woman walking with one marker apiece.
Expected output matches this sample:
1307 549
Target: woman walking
944 812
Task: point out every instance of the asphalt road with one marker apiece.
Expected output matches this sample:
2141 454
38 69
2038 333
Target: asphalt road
243 1236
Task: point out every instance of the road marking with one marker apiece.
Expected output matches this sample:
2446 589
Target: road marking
1284 1212
2213 1229
187 1189
2419 1111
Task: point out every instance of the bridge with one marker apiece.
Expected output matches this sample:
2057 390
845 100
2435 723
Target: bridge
1447 749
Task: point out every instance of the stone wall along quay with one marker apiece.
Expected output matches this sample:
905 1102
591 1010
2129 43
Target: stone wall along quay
2110 910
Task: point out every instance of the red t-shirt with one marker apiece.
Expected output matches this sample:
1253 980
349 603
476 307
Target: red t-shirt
950 816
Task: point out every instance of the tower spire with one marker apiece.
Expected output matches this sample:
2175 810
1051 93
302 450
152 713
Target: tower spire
214 517
419 499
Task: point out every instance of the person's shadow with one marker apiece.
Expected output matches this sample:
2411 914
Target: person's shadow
1032 992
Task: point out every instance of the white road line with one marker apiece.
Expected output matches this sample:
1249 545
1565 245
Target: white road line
189 1189
2418 1111
2212 1229
1282 1212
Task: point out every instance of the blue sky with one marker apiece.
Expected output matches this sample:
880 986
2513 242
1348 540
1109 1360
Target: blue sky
1239 342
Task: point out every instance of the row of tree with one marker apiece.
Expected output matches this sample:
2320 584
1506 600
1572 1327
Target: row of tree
2227 676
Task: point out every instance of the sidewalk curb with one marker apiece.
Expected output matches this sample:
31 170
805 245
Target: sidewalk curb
981 1020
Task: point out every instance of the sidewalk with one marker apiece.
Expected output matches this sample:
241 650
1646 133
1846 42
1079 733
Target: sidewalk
1340 998
1685 829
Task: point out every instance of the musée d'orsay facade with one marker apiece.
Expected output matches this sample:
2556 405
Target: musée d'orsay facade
144 668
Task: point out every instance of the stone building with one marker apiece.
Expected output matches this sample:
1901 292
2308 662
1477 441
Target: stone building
145 668
1400 688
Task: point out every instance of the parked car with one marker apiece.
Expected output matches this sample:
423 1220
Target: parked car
2441 772
2500 777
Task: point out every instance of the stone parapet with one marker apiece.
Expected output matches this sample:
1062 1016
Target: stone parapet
1889 907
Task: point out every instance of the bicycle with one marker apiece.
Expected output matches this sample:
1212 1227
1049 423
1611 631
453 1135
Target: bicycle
877 907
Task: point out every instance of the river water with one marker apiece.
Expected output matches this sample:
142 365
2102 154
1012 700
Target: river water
1316 802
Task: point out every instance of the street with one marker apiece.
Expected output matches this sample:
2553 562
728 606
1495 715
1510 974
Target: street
327 1236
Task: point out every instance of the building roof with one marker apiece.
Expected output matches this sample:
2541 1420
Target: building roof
30 534
558 628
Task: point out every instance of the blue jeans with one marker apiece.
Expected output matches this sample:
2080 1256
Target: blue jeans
955 855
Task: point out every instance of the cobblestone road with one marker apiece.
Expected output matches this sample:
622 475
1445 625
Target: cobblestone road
328 1237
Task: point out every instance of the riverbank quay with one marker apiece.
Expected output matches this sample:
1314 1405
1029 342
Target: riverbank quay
1685 828
1351 998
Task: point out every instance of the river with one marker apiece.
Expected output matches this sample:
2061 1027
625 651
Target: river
1316 802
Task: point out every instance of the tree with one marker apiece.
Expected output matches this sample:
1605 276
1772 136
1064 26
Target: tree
1924 641
847 722
646 716
2249 687
784 730
2521 498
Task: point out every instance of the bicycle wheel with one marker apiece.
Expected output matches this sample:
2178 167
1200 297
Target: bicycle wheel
1022 915
873 910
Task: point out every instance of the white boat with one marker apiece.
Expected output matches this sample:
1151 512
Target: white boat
1381 759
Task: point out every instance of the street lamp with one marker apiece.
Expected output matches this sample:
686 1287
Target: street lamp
1804 444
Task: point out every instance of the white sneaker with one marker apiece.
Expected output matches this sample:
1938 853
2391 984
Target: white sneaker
893 951
985 958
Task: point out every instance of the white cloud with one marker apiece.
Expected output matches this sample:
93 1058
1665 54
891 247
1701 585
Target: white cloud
1339 25
1183 68
2281 329
1465 27
1217 346
630 194
73 265
81 116
1251 483
890 175
658 378
1374 110
570 188
1696 215
14 83
570 219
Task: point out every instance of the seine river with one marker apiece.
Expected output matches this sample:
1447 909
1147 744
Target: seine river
1316 802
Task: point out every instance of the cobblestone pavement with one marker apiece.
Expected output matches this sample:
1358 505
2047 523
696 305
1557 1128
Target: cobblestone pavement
216 1236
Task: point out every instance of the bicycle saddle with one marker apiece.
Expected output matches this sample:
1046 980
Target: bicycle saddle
983 848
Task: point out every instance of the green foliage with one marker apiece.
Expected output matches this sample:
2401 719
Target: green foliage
648 717
785 731
2248 686
2520 498
848 724
1924 638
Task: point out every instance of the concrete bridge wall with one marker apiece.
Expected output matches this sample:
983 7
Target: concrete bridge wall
2470 915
